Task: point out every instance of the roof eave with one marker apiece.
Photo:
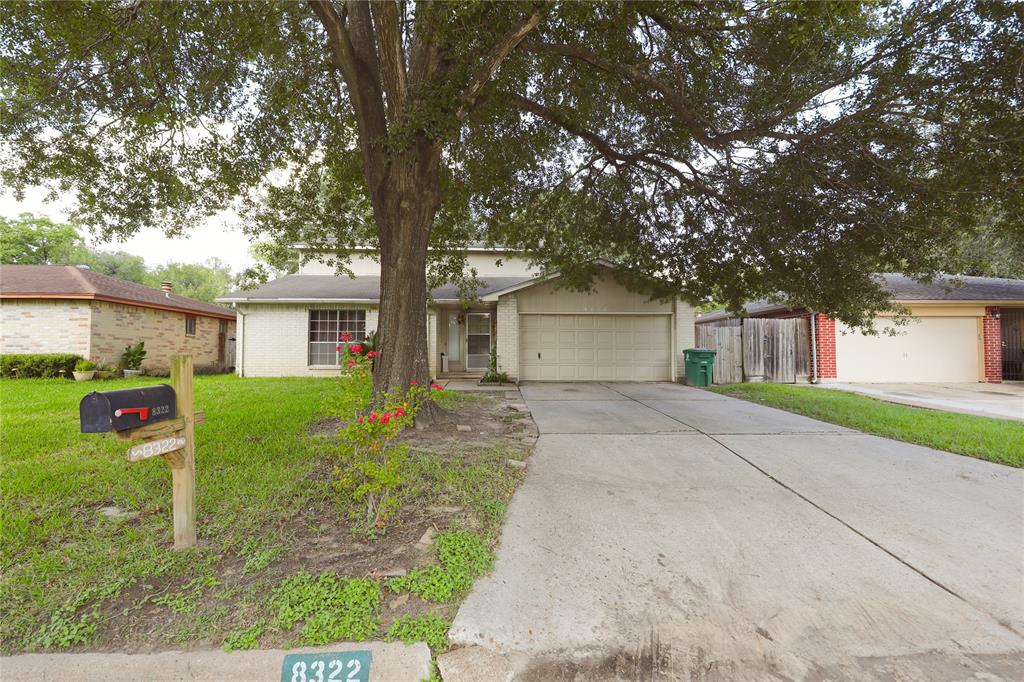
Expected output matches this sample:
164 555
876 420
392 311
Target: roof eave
227 314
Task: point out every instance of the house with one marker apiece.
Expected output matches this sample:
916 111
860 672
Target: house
961 329
67 309
538 330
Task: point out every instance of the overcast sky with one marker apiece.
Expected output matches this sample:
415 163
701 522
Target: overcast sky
218 237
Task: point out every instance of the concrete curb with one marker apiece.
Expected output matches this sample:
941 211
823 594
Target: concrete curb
392 662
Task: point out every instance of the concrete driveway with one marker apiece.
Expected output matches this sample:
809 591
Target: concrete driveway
665 532
1005 401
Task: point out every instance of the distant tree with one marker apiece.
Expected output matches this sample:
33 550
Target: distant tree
273 260
120 264
989 252
37 240
201 281
761 148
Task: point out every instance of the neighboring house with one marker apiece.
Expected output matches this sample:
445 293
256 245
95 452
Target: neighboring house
962 329
67 309
538 330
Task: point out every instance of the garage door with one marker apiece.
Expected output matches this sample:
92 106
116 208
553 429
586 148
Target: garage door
926 349
595 347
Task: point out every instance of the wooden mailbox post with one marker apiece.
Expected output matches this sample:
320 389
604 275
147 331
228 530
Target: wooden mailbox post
175 441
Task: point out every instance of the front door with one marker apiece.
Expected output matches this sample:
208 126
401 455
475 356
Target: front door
453 346
1012 329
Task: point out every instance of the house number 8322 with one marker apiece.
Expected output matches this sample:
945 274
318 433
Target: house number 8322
333 668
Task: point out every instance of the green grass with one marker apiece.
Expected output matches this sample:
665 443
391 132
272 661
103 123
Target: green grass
61 559
995 440
70 577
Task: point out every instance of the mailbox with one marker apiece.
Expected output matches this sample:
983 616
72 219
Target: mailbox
126 409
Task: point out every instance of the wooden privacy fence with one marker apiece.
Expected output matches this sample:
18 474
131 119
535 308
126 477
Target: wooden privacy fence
777 351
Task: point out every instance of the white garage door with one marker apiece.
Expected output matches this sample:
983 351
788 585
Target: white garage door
926 349
595 347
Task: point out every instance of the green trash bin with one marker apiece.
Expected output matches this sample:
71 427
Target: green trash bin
698 364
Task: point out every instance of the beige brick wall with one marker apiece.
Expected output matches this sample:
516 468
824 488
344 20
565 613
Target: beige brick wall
115 326
275 339
508 335
44 326
685 336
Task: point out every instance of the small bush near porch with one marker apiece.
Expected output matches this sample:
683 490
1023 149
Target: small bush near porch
995 440
85 537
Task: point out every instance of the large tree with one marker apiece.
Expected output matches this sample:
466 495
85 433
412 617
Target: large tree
787 149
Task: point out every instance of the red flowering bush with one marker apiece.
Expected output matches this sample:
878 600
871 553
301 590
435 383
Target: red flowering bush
356 357
369 468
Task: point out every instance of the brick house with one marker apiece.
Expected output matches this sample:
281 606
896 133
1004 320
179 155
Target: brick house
961 329
66 309
537 329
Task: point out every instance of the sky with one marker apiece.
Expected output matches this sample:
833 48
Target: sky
219 236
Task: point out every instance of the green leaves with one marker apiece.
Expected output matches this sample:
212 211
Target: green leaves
331 608
464 557
784 149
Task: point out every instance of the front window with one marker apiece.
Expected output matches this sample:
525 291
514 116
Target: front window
325 330
190 325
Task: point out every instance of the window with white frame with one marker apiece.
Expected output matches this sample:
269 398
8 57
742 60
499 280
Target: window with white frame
190 325
325 330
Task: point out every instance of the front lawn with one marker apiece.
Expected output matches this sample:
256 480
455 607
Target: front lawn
996 440
86 539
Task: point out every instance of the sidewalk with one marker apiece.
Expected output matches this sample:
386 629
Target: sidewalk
391 662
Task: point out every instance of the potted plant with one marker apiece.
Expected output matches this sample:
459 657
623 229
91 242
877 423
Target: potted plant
107 371
132 358
84 370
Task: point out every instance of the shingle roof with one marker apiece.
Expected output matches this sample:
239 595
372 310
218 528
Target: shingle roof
67 281
340 288
903 288
954 288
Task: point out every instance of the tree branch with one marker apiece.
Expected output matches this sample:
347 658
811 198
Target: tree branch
389 39
494 59
353 52
606 149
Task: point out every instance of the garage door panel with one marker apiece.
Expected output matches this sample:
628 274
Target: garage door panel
595 347
927 349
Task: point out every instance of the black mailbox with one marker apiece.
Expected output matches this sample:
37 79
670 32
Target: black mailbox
126 409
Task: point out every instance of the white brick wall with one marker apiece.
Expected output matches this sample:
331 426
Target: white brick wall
275 339
45 326
685 333
508 336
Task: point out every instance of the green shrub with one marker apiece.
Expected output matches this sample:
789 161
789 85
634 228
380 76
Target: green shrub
85 366
45 365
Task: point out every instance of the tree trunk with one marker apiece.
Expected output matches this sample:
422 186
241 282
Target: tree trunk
405 211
